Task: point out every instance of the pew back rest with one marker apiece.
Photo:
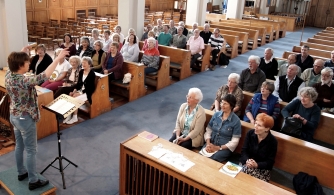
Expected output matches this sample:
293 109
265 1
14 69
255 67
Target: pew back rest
314 52
287 53
318 46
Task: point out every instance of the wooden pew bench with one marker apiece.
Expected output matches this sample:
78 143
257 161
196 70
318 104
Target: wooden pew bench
313 52
323 37
100 98
328 34
136 88
295 155
318 46
287 53
278 26
205 61
159 79
320 41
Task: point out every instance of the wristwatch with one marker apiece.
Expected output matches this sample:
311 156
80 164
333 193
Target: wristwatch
220 148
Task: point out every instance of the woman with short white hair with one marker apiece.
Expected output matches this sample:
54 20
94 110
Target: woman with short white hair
151 57
95 37
230 88
189 128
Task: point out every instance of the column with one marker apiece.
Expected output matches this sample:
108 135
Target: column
196 12
131 15
235 9
13 30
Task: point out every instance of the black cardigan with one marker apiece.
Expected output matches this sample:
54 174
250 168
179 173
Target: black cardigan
46 61
89 84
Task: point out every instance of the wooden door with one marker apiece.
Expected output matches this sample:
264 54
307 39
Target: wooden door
330 14
322 13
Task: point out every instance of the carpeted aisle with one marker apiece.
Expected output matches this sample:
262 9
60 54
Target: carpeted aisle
94 144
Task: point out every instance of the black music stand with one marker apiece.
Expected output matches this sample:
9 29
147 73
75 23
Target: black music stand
63 106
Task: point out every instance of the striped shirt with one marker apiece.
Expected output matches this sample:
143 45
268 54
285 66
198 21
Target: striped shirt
216 43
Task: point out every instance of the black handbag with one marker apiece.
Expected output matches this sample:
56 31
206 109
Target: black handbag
292 126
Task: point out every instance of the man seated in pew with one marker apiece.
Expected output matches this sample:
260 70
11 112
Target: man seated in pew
312 76
195 44
325 90
151 57
191 32
284 67
223 131
303 60
130 50
179 40
113 64
330 62
150 34
287 86
147 29
304 109
230 88
216 42
206 33
269 64
172 29
85 87
259 150
185 30
189 128
251 78
159 26
264 102
164 37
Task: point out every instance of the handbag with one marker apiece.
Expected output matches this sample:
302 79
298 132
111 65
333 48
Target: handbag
292 126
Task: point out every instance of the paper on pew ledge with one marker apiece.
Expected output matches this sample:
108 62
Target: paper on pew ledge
102 75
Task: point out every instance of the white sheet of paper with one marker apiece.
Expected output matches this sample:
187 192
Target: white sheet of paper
82 97
180 163
61 106
157 153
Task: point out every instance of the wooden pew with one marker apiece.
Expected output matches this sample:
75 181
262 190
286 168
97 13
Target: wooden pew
100 98
161 79
327 33
290 22
318 46
314 52
136 88
214 17
324 37
320 41
287 53
294 155
205 61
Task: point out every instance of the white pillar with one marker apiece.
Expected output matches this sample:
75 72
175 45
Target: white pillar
235 9
131 14
196 10
13 30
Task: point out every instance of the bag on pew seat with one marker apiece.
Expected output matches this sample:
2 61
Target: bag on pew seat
292 126
223 59
127 78
306 184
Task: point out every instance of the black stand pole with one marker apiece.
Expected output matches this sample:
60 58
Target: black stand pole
59 157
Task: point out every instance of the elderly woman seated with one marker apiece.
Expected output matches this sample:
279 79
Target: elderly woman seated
56 78
304 109
84 49
223 131
189 128
264 102
131 31
130 49
150 34
259 149
230 88
113 65
85 87
151 57
98 56
95 37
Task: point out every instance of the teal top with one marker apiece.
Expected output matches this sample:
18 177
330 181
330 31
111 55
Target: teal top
189 119
164 38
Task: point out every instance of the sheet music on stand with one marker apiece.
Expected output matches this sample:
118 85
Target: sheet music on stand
64 105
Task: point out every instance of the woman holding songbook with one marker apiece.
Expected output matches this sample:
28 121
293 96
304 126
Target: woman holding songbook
259 149
85 87
223 131
189 128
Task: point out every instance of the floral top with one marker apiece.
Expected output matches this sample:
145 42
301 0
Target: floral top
23 95
68 75
189 119
237 92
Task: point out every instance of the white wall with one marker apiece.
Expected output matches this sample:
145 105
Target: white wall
263 8
218 2
235 9
196 11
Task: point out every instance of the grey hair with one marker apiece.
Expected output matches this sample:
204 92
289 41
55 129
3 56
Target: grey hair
234 76
206 24
198 94
256 58
181 23
95 31
195 23
180 27
100 42
159 20
309 92
76 58
131 29
327 69
319 60
87 59
118 26
85 38
272 51
151 39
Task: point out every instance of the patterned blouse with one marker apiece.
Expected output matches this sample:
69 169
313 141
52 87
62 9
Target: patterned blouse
223 90
68 75
189 119
23 95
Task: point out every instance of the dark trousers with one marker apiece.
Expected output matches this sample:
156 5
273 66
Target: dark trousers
186 144
194 59
214 54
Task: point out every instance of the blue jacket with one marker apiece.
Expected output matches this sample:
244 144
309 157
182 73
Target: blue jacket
271 101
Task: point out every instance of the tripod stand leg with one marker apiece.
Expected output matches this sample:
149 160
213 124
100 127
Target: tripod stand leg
49 165
63 157
61 169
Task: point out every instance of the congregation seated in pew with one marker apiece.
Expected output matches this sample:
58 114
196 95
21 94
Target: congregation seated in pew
172 29
304 109
191 32
116 38
185 30
130 50
284 67
330 62
269 64
107 40
230 88
179 40
313 75
40 61
304 60
98 56
118 30
150 34
259 149
216 42
84 49
164 37
146 30
206 33
151 57
131 31
325 90
251 78
68 43
195 44
95 37
223 132
113 63
189 128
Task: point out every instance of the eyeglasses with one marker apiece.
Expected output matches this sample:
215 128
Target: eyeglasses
325 75
189 97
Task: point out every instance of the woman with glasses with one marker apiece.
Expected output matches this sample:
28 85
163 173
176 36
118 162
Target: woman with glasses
189 128
98 56
230 88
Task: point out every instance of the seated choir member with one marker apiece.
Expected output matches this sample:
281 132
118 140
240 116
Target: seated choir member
151 57
150 34
190 121
195 44
113 65
58 74
178 40
146 30
84 49
304 109
107 40
269 64
71 77
118 30
312 75
284 67
325 90
116 38
304 60
131 31
264 102
85 87
164 37
130 50
98 56
259 150
95 37
40 61
223 131
230 88
68 43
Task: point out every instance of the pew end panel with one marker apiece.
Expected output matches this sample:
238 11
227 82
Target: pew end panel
206 53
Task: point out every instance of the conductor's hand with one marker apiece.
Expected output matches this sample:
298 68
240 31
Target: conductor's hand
26 49
63 53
